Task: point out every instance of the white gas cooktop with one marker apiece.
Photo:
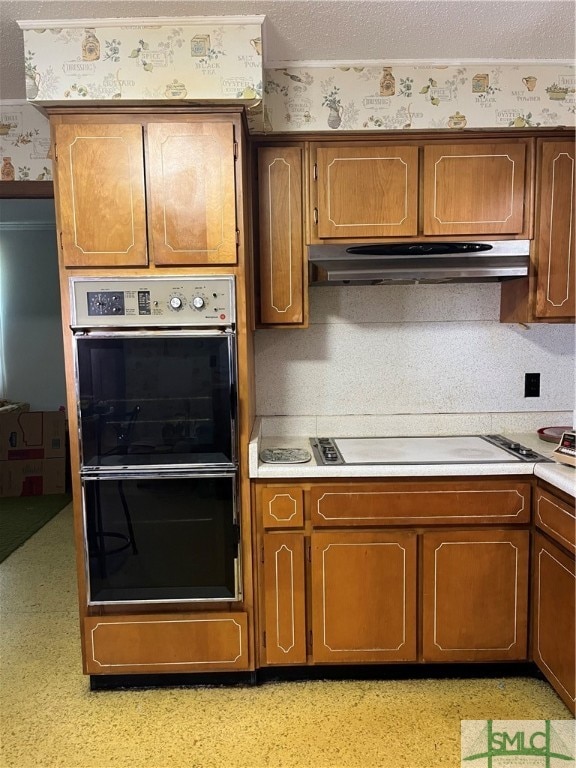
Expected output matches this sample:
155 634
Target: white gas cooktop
466 449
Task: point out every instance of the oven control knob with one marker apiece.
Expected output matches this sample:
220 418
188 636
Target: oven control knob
198 302
175 303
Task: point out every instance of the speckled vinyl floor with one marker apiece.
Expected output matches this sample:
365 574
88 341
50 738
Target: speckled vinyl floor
49 717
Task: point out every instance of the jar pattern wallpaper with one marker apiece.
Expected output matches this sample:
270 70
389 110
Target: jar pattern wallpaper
403 97
207 60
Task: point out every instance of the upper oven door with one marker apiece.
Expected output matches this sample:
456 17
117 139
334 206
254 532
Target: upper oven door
156 399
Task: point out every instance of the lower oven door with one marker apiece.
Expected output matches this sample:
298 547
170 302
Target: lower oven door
154 538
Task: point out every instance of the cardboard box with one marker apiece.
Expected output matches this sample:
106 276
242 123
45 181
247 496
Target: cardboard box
32 477
28 434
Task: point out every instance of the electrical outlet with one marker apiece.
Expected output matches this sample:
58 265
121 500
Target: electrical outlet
532 385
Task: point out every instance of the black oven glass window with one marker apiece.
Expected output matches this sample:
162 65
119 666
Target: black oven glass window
161 539
156 400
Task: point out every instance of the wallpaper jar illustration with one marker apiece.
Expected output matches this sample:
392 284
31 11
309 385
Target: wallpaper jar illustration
90 46
7 172
387 82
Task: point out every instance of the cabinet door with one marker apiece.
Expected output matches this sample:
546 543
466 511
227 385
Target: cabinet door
475 592
553 638
284 598
281 241
363 597
99 173
192 202
367 191
474 189
555 234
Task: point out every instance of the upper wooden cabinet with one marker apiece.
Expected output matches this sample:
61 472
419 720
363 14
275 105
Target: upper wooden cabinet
99 171
179 174
548 294
420 189
555 235
474 189
281 244
367 191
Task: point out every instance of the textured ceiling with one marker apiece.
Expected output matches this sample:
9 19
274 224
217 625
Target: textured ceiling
336 30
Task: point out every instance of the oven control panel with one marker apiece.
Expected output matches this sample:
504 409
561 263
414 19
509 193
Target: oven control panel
152 301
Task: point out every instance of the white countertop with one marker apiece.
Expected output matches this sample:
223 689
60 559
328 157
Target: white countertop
559 475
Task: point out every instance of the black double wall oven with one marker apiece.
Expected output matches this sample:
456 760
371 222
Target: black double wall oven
156 377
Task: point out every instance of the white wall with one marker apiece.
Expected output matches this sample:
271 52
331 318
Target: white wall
385 359
31 336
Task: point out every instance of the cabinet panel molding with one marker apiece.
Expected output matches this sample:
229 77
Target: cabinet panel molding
431 503
363 596
556 236
167 643
281 239
556 518
282 507
101 203
475 593
285 601
553 636
474 188
367 191
192 192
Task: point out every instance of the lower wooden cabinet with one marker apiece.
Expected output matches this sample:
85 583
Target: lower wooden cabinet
178 642
475 595
369 572
363 596
553 617
284 599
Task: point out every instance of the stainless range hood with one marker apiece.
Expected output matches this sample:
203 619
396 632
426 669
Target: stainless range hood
423 262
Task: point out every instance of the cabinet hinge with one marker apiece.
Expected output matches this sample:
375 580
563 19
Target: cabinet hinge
309 552
264 639
310 640
55 151
315 215
315 172
61 243
237 237
262 555
235 150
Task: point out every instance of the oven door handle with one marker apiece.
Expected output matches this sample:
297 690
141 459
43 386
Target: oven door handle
96 333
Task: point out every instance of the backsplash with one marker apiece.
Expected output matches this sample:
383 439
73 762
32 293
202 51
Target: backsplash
393 359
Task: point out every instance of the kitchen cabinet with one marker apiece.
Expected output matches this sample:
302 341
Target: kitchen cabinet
182 642
135 192
554 591
548 294
363 596
373 571
366 191
282 266
555 244
474 188
429 189
475 595
284 598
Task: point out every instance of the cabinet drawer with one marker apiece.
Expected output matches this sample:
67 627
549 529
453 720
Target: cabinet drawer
282 507
200 642
556 518
434 503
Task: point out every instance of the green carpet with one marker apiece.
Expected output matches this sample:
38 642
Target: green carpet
22 516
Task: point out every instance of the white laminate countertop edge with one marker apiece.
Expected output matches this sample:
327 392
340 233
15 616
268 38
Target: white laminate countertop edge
558 475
